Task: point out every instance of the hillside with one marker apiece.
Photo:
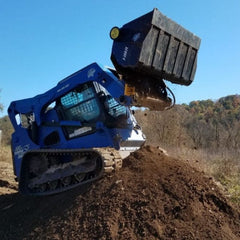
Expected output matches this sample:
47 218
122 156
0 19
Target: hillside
210 140
205 124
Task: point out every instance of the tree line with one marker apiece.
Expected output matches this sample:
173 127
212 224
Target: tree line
204 124
215 124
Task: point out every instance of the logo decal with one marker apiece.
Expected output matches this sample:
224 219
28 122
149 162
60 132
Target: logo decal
136 37
125 52
91 72
80 131
20 150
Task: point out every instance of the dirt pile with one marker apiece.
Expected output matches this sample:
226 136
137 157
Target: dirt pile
153 196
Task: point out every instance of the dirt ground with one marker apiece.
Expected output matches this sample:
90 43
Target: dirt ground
153 196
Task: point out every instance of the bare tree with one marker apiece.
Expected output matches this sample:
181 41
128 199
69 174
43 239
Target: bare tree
1 105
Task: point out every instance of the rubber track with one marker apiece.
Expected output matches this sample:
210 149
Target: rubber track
111 161
111 158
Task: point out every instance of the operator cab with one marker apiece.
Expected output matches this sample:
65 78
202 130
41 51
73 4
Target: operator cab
88 104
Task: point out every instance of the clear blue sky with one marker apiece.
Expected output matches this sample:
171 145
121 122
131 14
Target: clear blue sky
41 42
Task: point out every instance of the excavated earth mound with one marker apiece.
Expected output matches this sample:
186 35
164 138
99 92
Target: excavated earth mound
153 196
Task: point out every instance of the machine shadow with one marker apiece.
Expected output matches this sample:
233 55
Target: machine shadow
20 214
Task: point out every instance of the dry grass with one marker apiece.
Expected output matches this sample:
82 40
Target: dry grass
5 153
223 166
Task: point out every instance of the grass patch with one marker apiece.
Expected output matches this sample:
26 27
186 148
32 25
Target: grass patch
5 153
224 167
232 184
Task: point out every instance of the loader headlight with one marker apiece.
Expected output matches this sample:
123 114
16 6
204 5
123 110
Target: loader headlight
114 33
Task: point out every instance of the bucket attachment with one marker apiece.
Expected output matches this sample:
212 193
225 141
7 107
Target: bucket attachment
152 48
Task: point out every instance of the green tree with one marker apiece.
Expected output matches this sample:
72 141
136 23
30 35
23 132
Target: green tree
215 124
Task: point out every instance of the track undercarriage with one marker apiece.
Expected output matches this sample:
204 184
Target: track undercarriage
46 172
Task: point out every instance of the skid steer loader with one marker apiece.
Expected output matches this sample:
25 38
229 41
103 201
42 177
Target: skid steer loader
84 126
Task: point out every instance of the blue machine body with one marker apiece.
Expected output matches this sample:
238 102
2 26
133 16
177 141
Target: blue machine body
39 122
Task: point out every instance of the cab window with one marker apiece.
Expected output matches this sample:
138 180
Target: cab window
80 104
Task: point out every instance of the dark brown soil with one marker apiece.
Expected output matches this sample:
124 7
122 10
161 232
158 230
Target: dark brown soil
153 196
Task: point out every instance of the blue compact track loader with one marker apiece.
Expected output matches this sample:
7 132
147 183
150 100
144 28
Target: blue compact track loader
84 126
